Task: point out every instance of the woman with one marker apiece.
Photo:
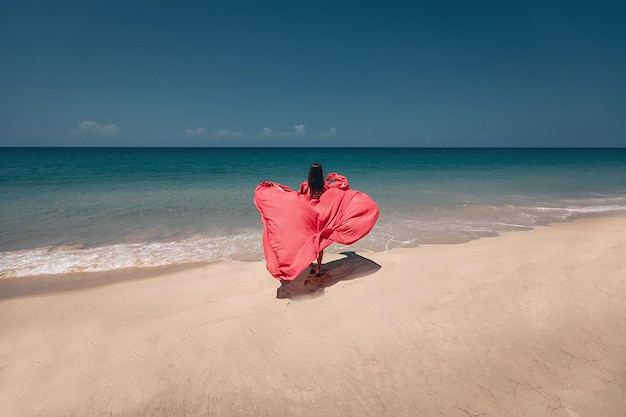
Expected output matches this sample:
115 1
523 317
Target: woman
299 225
314 187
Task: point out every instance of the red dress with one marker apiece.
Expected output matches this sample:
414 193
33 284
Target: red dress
297 227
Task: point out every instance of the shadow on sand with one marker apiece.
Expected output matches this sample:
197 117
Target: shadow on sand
307 284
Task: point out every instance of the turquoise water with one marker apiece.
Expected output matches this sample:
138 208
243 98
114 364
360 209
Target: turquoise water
96 209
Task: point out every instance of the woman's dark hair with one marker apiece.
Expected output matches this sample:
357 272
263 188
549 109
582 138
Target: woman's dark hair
316 180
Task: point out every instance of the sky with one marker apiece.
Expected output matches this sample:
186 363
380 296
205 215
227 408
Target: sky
313 73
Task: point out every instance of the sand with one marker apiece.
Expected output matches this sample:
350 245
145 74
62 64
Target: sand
525 324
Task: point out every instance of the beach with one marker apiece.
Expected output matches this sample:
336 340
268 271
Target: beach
523 324
167 172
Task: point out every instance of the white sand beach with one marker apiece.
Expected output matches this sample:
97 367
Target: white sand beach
525 324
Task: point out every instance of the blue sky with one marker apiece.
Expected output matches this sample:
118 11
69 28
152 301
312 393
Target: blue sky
319 73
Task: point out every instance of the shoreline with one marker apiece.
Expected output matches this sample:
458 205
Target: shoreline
72 260
520 324
24 286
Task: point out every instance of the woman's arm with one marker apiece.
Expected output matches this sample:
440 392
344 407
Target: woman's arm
304 188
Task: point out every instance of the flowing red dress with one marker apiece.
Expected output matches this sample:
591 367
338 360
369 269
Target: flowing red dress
297 227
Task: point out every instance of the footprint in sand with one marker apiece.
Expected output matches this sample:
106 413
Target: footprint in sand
313 279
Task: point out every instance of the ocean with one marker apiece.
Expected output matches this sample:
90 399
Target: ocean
65 210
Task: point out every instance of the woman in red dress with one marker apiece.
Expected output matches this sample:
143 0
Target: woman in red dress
314 187
298 226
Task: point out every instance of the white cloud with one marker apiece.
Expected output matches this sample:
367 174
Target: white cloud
87 126
331 133
225 133
220 133
299 130
196 132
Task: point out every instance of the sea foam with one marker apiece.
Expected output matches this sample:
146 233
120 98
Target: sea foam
70 259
